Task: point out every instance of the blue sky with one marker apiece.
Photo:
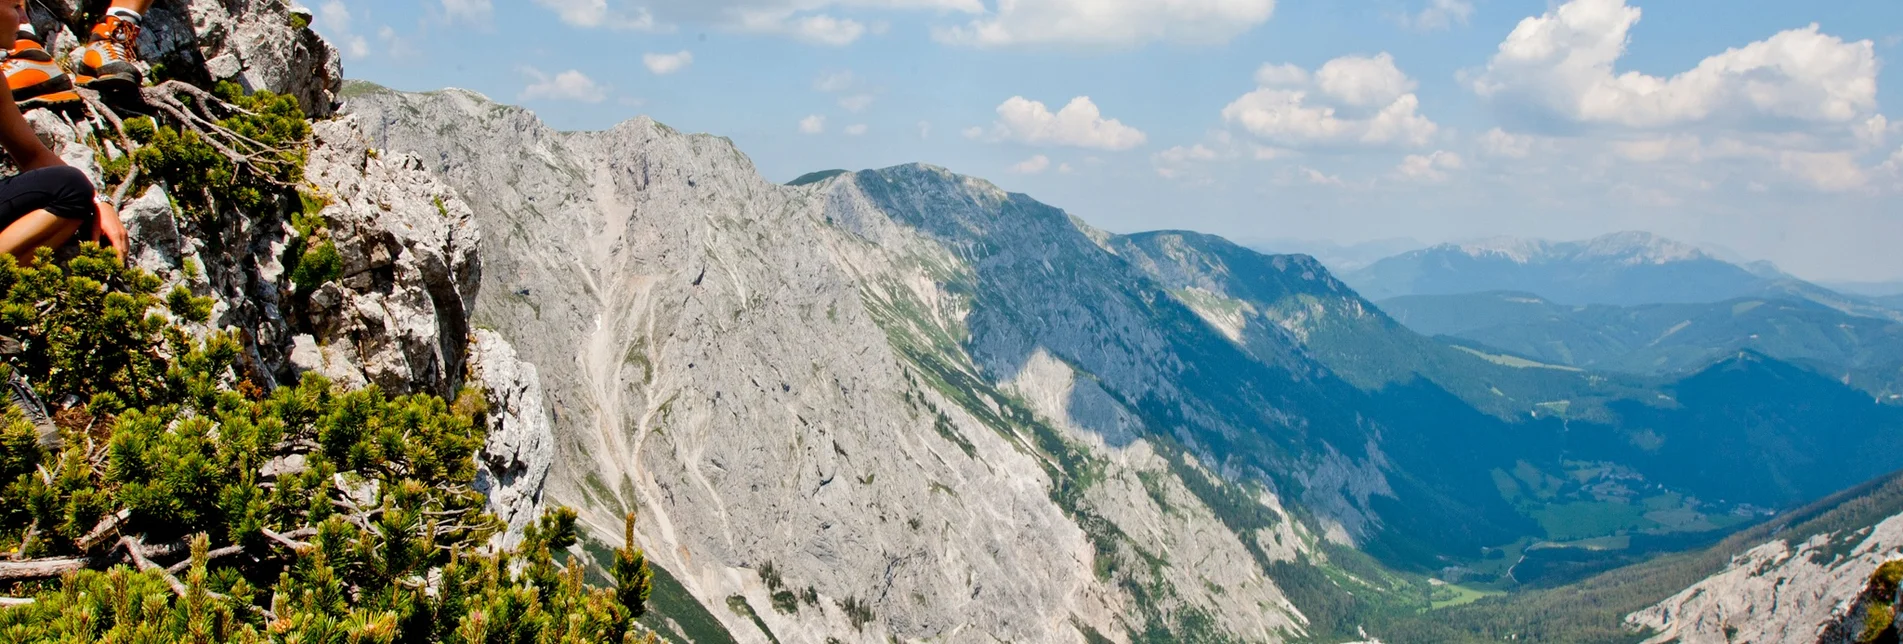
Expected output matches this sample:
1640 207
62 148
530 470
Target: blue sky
1730 123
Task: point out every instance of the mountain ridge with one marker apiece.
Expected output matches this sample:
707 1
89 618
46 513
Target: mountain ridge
928 386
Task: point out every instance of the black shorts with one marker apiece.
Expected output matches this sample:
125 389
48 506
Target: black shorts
62 190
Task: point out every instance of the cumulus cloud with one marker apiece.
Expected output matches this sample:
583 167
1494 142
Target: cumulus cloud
813 21
1562 65
814 124
1894 166
1499 143
1174 162
597 14
1320 178
471 11
820 29
1079 124
1033 165
333 19
1430 168
1825 171
1439 14
1111 23
571 85
664 64
1363 82
1350 101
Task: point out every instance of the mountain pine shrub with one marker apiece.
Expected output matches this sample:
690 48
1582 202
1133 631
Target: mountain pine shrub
184 503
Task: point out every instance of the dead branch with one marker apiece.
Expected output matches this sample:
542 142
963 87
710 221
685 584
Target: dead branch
104 529
38 569
214 555
10 602
290 539
137 552
26 539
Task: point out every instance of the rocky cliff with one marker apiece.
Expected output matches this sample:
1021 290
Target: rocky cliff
397 316
825 391
1782 592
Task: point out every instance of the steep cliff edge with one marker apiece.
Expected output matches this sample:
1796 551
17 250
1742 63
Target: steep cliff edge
397 314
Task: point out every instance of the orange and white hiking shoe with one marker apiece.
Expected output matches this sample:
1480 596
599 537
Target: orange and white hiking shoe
108 62
36 81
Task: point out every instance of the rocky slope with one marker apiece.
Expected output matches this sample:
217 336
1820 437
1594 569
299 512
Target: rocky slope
1779 592
1804 584
776 377
903 403
398 316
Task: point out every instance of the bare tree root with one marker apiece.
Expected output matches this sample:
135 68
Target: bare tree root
201 112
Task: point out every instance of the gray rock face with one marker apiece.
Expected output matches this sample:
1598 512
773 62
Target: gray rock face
1779 592
767 373
398 317
514 463
259 44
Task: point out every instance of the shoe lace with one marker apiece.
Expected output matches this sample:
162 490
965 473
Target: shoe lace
118 42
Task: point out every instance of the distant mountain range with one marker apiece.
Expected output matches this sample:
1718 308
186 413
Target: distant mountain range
1666 338
1336 256
1621 269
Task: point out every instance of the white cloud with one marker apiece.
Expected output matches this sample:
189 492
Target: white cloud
1080 124
1363 82
1173 162
1283 75
1320 178
664 64
1109 22
826 30
834 82
1439 14
596 13
814 124
1562 64
1825 171
1873 130
472 11
1664 148
924 129
1352 100
1064 168
333 18
1497 142
1431 168
571 85
1179 154
1033 165
856 129
1894 166
395 45
974 132
856 102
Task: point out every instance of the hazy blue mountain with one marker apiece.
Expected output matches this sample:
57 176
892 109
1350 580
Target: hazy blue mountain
1622 268
1337 257
1667 338
1877 290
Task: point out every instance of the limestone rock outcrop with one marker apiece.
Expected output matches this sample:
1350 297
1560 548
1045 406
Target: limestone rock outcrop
398 316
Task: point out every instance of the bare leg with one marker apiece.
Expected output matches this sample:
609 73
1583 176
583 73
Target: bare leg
36 229
135 5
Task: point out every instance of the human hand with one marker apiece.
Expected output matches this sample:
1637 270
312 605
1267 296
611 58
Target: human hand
108 229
